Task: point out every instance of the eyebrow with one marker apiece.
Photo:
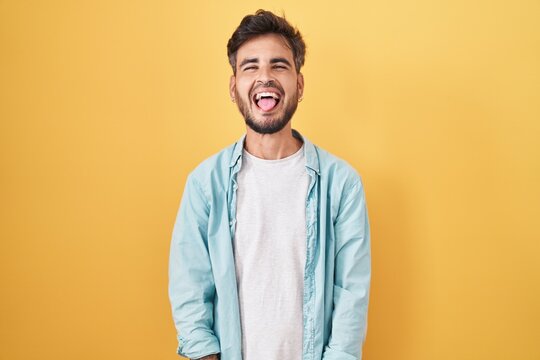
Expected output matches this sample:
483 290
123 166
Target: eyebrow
249 61
272 61
280 60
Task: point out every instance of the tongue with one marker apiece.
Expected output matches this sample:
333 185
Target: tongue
267 103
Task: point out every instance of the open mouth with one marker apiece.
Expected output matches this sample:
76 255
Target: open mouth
266 100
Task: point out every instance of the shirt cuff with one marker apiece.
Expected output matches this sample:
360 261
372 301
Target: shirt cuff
332 354
199 344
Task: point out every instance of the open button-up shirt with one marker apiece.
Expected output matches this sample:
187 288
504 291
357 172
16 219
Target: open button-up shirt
202 278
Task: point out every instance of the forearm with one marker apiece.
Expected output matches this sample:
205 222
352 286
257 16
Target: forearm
349 325
192 291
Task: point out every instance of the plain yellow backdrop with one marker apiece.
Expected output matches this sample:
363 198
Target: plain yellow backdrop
105 106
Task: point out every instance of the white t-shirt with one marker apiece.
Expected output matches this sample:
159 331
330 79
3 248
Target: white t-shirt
270 254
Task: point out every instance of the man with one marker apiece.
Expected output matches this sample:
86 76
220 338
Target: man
270 255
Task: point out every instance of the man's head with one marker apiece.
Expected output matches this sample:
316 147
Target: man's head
266 54
265 22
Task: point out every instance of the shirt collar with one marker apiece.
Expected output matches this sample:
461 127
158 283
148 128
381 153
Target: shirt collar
312 160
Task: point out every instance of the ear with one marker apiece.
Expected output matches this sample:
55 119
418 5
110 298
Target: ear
300 85
232 87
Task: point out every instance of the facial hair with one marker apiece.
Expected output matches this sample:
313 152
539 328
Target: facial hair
269 125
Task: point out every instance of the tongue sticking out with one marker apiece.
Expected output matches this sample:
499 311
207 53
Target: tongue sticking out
267 104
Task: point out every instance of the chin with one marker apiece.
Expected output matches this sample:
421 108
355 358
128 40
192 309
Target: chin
266 126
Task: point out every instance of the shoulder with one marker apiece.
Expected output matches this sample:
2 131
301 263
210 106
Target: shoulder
338 171
213 169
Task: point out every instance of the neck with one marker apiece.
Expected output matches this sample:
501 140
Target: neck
272 146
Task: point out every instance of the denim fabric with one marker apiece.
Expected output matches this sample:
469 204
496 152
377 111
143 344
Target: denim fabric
202 277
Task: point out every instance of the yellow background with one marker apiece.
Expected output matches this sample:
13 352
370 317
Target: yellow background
105 106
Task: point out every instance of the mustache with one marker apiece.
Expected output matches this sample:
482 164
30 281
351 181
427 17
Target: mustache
268 84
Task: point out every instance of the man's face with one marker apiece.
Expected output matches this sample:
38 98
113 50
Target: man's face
266 86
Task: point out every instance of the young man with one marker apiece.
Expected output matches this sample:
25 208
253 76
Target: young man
270 255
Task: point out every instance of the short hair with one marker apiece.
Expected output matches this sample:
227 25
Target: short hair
265 22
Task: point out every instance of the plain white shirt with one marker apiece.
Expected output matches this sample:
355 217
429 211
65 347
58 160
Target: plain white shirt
270 254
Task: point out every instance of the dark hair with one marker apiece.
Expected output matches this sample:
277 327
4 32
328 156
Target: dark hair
265 22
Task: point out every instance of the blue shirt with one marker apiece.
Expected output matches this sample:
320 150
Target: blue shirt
202 276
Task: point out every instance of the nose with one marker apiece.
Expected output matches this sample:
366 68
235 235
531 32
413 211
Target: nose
265 75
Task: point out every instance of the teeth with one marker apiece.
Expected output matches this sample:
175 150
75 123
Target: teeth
259 95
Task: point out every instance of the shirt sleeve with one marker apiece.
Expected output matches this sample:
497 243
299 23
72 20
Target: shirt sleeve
191 283
352 276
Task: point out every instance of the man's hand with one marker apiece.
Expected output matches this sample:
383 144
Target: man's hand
209 357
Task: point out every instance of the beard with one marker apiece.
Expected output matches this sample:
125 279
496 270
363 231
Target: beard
270 124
